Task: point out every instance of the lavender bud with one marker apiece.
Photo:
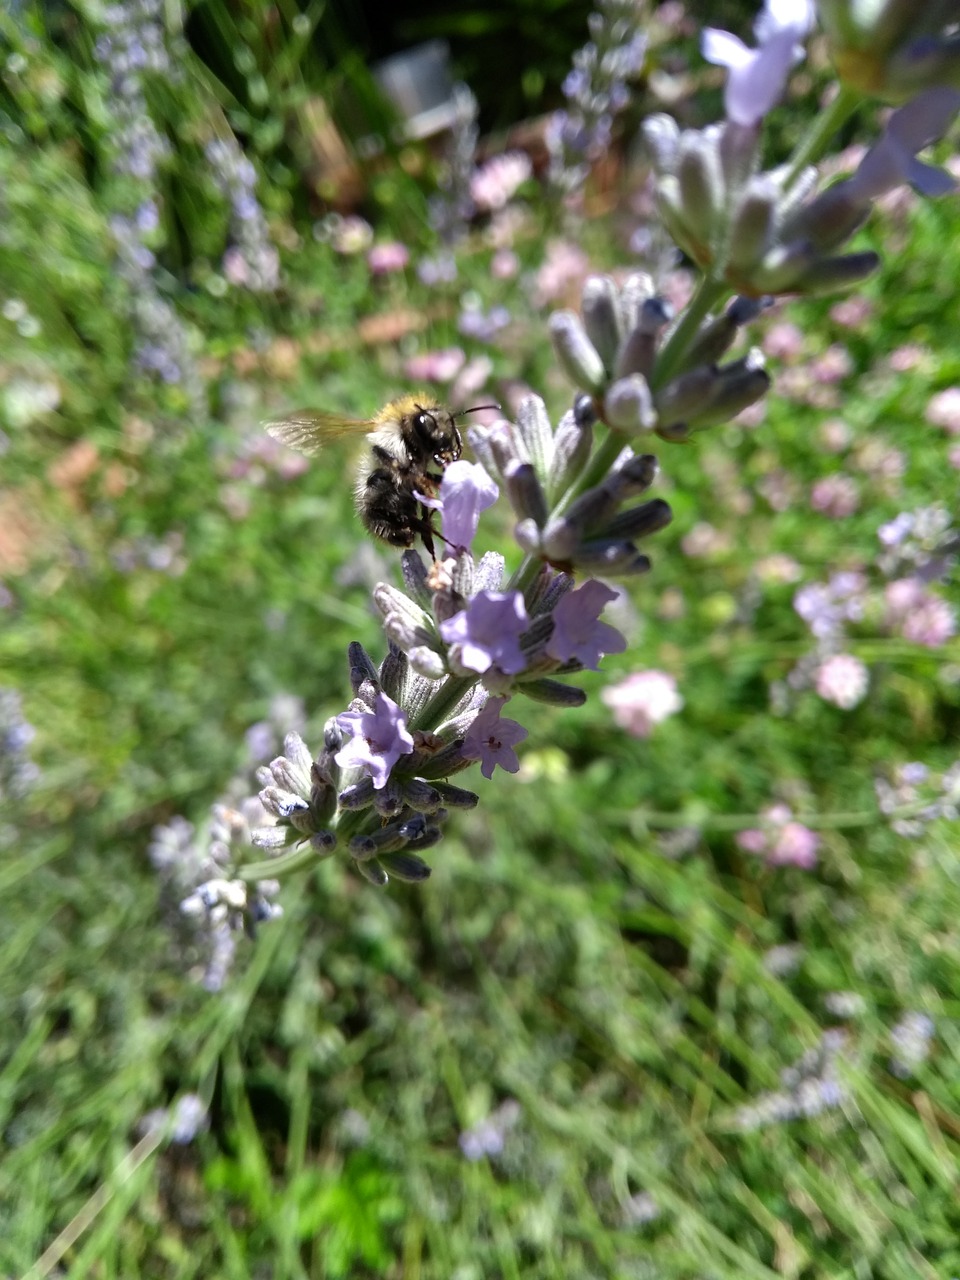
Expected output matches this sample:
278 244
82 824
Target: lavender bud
753 225
584 411
831 218
426 662
533 423
358 796
488 573
628 405
575 352
611 558
527 535
324 842
716 336
456 797
415 575
526 496
559 540
740 384
638 353
332 735
388 801
702 189
282 804
635 473
271 838
571 449
637 290
686 394
443 763
640 521
599 306
393 674
371 870
406 867
421 796
830 274
661 136
362 670
553 692
392 602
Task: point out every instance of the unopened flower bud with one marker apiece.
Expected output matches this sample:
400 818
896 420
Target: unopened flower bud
406 867
324 842
702 187
635 292
635 473
533 423
361 665
661 136
559 540
639 349
753 224
358 796
371 870
554 692
741 383
421 795
456 797
526 496
599 306
718 334
427 662
617 558
388 801
415 573
639 522
273 838
571 449
628 405
576 352
686 394
527 535
393 674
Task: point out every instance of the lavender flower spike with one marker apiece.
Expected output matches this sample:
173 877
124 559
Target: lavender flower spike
758 76
491 740
380 738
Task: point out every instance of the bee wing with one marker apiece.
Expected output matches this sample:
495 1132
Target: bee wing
307 430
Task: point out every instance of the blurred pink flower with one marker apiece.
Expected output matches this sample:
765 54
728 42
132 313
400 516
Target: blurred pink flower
943 410
504 265
564 266
795 846
783 341
834 435
932 623
642 700
852 312
493 184
835 496
387 257
704 541
833 365
910 356
842 680
435 366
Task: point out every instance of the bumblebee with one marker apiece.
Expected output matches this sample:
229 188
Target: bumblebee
412 440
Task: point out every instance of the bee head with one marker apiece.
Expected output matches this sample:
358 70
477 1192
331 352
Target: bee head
436 432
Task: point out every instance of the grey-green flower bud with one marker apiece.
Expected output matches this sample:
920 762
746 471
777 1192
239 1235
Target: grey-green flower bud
533 423
456 797
362 669
426 662
600 308
273 838
571 449
628 405
753 224
406 867
615 558
639 522
525 494
553 692
370 869
661 137
576 352
527 535
703 193
393 673
741 383
686 394
638 353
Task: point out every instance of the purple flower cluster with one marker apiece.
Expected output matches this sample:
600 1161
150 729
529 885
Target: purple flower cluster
132 48
18 773
251 261
596 91
811 1086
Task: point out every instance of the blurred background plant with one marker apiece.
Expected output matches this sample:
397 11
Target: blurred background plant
678 999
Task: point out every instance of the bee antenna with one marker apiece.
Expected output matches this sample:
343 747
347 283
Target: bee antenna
477 408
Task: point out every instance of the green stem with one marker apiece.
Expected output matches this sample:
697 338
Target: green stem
706 295
827 124
304 855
